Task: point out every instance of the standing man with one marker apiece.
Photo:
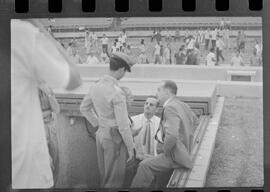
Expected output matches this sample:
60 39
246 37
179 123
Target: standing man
50 108
105 106
175 135
220 45
104 42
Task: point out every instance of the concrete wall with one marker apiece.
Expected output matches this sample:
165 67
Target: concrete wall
181 72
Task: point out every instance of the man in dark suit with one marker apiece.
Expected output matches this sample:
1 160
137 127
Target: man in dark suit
175 135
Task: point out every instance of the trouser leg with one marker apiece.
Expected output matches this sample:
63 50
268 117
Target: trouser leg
115 165
149 168
100 158
53 148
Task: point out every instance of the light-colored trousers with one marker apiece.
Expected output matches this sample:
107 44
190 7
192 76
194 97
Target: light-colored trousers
112 165
51 134
151 167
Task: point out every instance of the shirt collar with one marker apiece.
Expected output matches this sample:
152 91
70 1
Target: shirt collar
167 101
145 119
110 78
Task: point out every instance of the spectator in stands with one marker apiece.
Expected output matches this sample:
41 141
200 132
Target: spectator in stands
226 36
104 43
220 46
94 40
143 58
167 54
237 60
162 58
92 59
127 50
124 38
158 36
242 40
191 44
86 39
121 42
74 42
76 57
254 59
104 57
214 38
177 35
118 45
142 46
167 35
192 57
257 49
211 58
114 48
180 57
201 34
207 38
70 49
222 23
157 55
153 35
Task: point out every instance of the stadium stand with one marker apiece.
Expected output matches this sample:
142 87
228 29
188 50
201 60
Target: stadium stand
74 24
188 22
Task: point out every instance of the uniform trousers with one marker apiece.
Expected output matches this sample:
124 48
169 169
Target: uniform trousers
152 167
112 159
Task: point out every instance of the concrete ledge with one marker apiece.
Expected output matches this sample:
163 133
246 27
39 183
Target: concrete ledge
182 72
201 164
224 88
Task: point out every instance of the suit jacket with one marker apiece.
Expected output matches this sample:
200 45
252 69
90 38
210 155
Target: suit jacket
177 127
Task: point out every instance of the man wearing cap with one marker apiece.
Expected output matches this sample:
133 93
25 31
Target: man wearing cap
105 106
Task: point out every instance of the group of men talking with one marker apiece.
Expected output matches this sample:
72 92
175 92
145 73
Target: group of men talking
158 144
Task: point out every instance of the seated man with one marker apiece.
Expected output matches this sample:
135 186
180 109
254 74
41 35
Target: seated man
144 127
174 135
147 123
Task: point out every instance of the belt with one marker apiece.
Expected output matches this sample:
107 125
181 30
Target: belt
104 122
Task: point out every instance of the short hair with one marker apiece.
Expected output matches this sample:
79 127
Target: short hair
153 97
171 86
117 63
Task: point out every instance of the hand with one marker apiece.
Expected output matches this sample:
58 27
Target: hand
131 156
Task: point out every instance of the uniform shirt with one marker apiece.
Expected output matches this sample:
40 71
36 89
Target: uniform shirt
141 144
209 59
109 103
33 57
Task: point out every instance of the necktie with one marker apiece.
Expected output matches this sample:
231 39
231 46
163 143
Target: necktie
147 137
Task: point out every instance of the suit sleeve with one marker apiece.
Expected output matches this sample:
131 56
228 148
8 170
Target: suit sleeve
171 127
121 115
87 109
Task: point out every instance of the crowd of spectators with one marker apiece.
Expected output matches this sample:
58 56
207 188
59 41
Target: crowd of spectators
212 47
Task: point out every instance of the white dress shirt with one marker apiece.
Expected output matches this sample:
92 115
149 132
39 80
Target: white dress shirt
140 144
